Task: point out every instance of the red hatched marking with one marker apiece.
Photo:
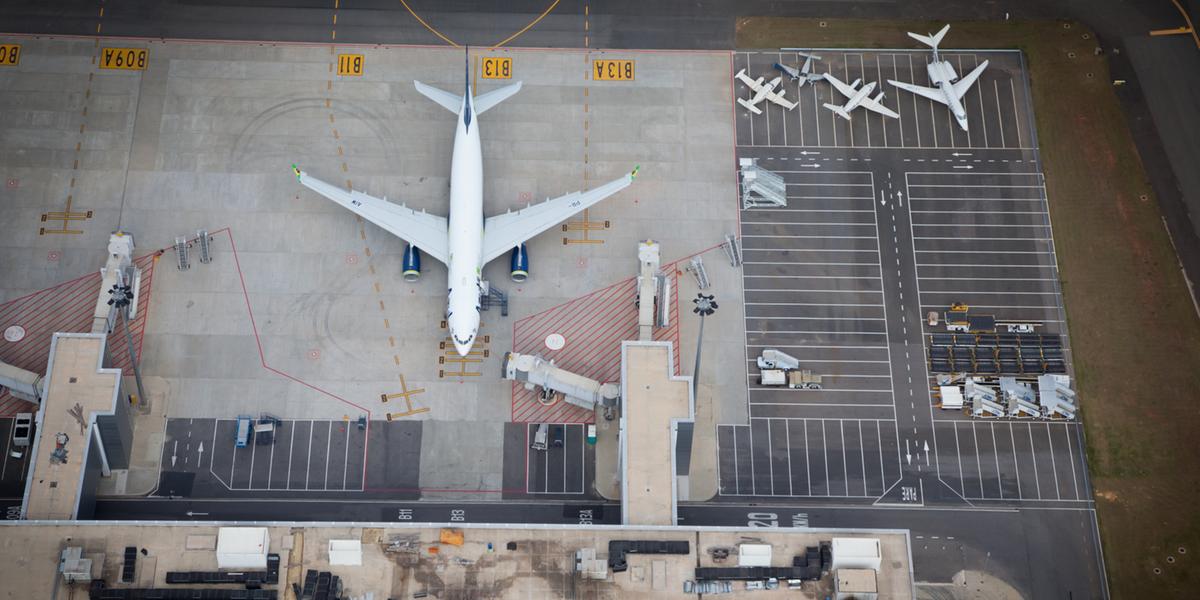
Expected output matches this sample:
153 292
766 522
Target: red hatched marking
594 327
67 307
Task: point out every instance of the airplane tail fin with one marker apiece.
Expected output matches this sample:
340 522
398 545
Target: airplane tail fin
930 40
841 112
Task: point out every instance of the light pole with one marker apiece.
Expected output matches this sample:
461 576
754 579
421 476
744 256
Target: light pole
705 306
122 296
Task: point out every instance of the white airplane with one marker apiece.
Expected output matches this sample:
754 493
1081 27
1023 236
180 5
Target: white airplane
762 92
804 74
857 97
466 241
941 73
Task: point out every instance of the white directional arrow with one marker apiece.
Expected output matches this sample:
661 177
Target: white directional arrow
882 198
900 195
196 514
806 152
812 166
961 154
927 453
963 167
200 456
907 454
174 452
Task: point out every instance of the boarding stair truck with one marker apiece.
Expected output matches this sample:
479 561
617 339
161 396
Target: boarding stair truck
774 359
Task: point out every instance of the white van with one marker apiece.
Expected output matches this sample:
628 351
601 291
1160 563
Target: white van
539 438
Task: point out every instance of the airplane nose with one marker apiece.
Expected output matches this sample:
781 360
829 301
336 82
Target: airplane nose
462 349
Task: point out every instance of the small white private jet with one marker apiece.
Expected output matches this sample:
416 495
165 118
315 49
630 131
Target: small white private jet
465 241
856 97
762 92
804 74
941 73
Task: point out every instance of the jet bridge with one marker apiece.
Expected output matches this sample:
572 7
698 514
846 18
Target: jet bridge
576 389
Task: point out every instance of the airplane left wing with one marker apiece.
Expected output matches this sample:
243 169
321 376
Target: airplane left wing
931 93
504 232
962 85
421 229
878 107
841 87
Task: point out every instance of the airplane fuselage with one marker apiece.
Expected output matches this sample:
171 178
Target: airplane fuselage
941 73
465 230
858 96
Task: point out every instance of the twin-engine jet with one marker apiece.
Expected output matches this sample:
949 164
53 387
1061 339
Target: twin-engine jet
762 92
466 241
950 89
856 97
804 74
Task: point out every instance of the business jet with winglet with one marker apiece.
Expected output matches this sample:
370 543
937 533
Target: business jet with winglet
949 88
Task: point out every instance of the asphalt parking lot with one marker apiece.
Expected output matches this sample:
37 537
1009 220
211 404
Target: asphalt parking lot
558 469
12 469
887 220
309 458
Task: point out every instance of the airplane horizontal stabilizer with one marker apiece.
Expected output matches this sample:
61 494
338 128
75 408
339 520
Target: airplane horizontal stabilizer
930 40
494 97
451 102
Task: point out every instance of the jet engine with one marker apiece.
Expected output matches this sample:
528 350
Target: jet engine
412 263
519 264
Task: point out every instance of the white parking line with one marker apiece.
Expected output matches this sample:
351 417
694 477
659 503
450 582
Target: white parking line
1016 463
312 424
825 452
1071 455
1033 454
291 451
771 459
958 451
978 464
1053 465
996 456
345 458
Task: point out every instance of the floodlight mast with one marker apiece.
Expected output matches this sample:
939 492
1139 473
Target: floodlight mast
705 306
122 297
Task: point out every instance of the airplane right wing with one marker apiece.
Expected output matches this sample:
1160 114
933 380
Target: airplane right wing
506 231
878 107
962 85
841 87
421 229
780 100
931 93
